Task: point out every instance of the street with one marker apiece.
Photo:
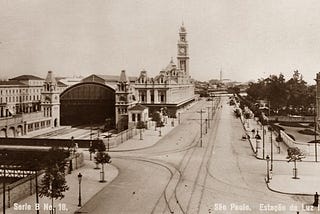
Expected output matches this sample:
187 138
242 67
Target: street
177 175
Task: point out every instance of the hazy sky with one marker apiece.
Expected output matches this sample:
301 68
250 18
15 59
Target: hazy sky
248 39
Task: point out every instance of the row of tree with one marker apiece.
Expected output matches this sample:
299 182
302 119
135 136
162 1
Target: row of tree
286 97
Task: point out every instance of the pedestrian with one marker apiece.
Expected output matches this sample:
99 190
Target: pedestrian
316 200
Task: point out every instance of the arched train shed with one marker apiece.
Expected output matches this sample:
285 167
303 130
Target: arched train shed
87 102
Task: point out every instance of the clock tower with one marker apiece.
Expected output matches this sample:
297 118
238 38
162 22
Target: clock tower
50 100
183 55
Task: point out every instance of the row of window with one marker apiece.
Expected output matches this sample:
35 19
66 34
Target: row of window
144 80
27 90
161 96
19 98
38 125
19 108
122 110
134 117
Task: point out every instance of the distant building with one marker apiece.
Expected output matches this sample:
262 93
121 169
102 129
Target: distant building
23 108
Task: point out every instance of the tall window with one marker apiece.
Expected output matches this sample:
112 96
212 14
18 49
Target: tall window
152 96
133 117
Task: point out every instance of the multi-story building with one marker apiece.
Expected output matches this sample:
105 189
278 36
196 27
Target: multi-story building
21 105
172 88
29 103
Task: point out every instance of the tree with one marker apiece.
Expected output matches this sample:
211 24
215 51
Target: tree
140 126
156 117
298 91
294 155
97 146
53 184
102 158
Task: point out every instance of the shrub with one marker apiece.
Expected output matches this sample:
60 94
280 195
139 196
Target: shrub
307 132
276 128
279 138
291 124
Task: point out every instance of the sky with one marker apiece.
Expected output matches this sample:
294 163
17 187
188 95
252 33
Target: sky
247 39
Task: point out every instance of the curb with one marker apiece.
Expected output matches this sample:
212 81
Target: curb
285 193
91 198
249 139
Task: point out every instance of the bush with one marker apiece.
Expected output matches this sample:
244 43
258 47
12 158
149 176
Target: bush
307 132
277 128
279 138
318 141
291 124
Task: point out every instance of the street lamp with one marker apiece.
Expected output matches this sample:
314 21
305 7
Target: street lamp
79 179
271 147
268 176
258 138
263 143
108 136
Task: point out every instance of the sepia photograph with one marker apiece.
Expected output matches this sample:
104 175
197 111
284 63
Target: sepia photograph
159 106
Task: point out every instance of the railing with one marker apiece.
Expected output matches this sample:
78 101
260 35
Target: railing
305 147
120 137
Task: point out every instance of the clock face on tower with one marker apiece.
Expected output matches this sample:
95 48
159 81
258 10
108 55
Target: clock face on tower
182 50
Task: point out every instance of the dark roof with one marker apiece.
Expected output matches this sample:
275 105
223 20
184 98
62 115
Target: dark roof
26 77
114 78
138 107
11 82
123 76
50 78
61 84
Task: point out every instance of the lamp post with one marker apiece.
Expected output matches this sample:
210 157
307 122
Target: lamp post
268 160
108 136
263 143
271 148
79 179
258 138
315 136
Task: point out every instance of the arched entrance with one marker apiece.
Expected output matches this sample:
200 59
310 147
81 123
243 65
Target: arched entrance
19 130
87 102
11 132
3 133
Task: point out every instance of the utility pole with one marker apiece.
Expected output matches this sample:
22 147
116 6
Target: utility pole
212 109
206 122
315 135
201 111
315 120
263 144
4 192
209 117
271 168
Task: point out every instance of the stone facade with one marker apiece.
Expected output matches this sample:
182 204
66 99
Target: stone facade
22 105
125 99
172 88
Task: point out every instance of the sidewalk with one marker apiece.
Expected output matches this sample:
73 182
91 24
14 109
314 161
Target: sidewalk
281 177
90 185
149 138
279 148
307 182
